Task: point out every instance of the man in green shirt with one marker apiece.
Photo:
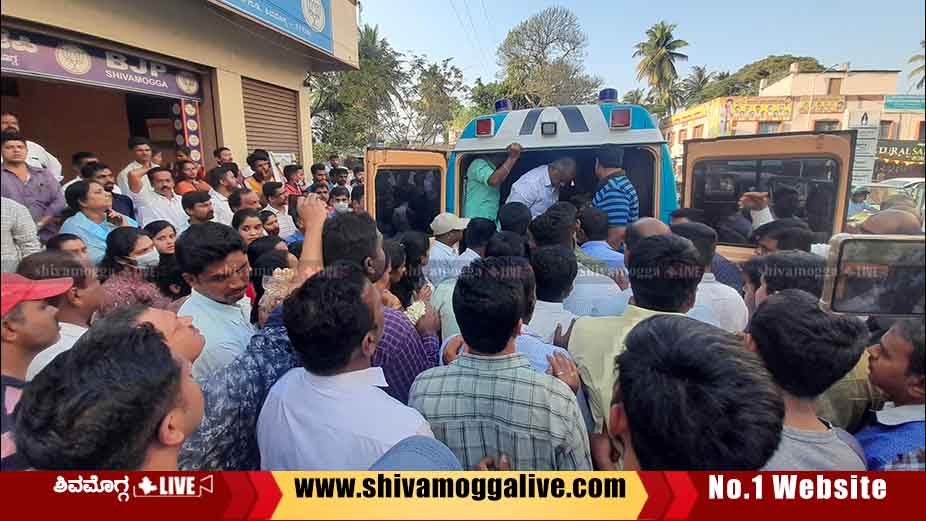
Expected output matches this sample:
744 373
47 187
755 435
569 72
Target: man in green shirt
483 178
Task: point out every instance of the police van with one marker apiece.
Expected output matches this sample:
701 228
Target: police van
407 188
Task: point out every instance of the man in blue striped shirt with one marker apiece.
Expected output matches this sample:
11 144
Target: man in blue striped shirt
616 195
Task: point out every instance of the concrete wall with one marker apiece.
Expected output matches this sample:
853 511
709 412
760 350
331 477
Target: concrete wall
202 34
853 83
906 124
66 118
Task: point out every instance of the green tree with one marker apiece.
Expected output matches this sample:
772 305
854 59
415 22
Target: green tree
695 82
347 107
658 54
398 99
482 96
426 105
542 61
667 100
921 69
634 96
745 82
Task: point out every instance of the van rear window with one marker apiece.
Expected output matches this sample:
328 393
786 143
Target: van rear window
798 187
406 199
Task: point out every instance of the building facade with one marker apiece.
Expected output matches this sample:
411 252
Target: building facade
806 101
87 74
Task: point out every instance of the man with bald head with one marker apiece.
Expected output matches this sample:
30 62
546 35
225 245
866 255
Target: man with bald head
891 222
641 229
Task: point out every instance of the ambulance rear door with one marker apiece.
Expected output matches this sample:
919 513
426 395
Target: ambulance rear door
405 188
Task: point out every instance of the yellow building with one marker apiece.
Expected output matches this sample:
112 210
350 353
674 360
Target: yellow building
87 74
804 101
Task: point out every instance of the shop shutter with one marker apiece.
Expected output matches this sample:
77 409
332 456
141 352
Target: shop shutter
271 117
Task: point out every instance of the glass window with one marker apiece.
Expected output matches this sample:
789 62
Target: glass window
798 187
698 130
406 199
769 127
825 124
833 86
921 135
885 129
682 135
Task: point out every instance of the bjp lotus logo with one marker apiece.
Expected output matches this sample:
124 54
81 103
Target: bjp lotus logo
73 59
187 83
314 13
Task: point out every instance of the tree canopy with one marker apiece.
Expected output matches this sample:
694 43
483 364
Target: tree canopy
542 61
745 82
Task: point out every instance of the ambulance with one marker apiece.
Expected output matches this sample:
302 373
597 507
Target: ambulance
808 175
407 188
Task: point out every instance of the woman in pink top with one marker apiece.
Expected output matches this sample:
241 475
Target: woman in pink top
128 269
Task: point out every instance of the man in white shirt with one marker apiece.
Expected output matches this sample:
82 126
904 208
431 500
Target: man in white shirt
442 257
539 188
36 155
332 414
223 182
555 269
160 203
213 262
476 237
725 303
78 161
277 202
593 293
76 306
141 149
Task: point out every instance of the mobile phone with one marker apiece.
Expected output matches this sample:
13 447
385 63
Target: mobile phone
113 218
294 205
876 275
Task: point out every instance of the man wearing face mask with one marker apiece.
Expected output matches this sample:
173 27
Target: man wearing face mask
539 188
340 199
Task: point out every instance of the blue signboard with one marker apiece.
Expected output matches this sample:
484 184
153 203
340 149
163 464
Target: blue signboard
899 103
308 21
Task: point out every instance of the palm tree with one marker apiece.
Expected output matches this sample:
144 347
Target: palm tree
921 70
635 97
664 102
658 54
697 79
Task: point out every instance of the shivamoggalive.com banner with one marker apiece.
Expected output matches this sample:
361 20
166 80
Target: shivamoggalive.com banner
458 495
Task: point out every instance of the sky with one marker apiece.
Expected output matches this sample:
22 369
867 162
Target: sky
722 34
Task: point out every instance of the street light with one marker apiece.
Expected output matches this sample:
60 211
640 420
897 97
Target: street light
813 87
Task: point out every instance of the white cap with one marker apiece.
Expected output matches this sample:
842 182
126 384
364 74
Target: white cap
447 222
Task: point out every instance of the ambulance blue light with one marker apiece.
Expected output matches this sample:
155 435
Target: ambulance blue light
607 96
502 105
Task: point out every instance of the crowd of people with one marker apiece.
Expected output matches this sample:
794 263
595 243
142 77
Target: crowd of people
168 317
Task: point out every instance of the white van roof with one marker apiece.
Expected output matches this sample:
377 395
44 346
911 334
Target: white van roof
576 126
